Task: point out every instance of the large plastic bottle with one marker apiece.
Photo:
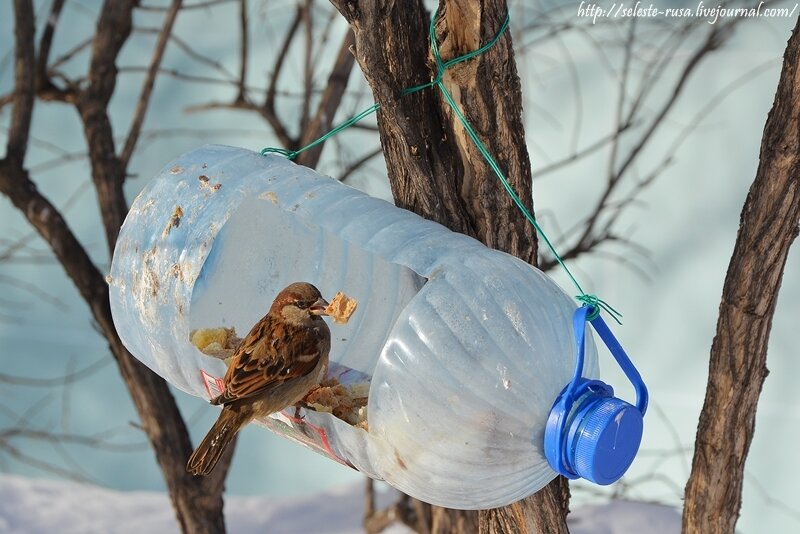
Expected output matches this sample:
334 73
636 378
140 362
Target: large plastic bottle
466 347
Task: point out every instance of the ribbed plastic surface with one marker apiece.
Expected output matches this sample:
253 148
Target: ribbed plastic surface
467 347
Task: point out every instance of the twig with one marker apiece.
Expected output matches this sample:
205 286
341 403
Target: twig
71 53
269 101
243 49
329 103
147 87
34 290
586 151
308 71
60 380
198 5
360 162
76 439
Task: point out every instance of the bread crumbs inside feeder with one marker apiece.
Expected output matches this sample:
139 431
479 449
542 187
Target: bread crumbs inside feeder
454 354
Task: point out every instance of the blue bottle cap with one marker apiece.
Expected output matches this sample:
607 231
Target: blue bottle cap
607 442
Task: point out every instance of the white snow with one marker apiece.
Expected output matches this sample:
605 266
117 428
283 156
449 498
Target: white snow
33 506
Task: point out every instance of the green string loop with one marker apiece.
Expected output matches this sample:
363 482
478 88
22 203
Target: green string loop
441 67
597 304
290 154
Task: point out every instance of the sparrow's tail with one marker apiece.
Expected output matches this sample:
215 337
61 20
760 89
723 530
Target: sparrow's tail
210 450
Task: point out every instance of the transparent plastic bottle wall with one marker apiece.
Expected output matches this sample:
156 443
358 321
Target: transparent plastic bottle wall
466 347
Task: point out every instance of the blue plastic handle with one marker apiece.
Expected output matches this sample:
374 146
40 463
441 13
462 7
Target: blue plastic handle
579 320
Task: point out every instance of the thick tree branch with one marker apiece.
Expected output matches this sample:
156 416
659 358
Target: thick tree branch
268 109
113 29
424 169
488 91
151 396
45 43
737 369
198 502
19 129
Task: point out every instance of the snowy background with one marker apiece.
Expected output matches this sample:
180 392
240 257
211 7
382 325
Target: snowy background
30 506
687 220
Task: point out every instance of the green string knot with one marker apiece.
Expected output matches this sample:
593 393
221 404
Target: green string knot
288 154
596 303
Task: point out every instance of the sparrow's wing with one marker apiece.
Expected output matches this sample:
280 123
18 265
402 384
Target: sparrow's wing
271 354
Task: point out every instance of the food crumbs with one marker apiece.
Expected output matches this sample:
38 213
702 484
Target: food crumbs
346 403
269 195
174 221
205 183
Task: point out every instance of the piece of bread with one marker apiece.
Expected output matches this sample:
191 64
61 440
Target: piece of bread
341 308
332 397
218 342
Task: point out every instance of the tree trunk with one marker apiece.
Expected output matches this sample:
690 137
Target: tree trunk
197 501
769 224
435 170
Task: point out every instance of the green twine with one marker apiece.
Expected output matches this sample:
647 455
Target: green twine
589 300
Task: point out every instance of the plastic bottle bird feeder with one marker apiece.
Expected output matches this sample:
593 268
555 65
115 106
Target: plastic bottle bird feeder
465 347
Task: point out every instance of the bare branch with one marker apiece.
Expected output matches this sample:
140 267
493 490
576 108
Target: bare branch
280 58
47 467
71 53
308 71
113 29
713 41
360 162
10 253
596 228
243 48
329 103
149 82
197 5
77 439
622 93
68 378
34 290
23 86
202 59
178 75
46 41
583 152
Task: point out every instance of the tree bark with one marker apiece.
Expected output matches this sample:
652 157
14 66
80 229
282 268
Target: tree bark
435 170
768 226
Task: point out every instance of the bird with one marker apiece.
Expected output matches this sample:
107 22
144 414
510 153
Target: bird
284 356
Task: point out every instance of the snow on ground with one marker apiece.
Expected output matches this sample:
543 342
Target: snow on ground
34 506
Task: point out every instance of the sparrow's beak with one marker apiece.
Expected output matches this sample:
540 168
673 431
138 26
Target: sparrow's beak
318 308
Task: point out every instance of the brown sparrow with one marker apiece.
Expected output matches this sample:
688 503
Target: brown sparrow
283 357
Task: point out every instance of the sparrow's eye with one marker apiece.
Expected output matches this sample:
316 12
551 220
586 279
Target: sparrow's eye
302 304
